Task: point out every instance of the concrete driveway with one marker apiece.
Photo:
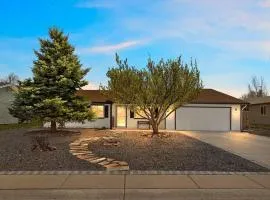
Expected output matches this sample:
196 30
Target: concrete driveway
252 147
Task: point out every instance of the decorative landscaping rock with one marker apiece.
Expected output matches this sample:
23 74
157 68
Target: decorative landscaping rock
110 141
79 148
160 135
106 143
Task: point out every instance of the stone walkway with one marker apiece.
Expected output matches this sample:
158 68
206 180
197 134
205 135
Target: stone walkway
79 148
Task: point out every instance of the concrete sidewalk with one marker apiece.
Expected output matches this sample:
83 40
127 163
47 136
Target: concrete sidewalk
133 186
126 181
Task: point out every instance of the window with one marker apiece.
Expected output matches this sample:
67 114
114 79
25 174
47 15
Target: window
140 115
263 110
98 110
106 111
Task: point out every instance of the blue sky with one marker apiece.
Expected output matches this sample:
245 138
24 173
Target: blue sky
230 39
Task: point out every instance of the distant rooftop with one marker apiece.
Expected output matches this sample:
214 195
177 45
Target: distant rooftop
259 100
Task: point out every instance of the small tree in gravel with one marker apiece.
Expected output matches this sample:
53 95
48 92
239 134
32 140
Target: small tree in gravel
50 95
155 91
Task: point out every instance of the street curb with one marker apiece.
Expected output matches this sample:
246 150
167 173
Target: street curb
131 172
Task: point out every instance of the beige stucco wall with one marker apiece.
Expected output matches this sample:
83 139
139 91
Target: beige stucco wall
235 111
255 117
6 98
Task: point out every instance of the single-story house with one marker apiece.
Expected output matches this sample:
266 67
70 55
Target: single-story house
6 98
211 111
257 113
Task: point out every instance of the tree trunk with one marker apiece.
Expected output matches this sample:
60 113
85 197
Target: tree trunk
53 126
155 129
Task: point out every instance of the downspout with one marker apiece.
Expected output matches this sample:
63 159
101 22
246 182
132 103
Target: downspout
242 116
244 107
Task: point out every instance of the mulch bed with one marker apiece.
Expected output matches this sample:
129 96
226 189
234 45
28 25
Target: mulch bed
177 152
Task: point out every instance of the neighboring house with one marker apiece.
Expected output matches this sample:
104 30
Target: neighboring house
257 113
6 98
211 111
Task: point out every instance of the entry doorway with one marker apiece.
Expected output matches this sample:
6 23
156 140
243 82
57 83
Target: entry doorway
121 116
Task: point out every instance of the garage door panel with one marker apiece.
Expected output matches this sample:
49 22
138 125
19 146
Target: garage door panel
203 118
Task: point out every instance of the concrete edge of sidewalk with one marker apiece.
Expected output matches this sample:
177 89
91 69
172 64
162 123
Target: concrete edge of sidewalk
17 182
130 172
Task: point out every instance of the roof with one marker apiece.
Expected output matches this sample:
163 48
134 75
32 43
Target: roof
93 96
207 96
259 100
210 96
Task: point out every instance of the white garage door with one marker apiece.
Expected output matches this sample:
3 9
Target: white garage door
203 119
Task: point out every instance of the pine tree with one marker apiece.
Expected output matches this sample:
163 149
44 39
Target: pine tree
51 95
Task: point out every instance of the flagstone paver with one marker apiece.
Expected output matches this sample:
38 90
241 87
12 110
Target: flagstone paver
79 148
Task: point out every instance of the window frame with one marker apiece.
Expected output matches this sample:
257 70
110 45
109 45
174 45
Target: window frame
97 117
263 110
138 116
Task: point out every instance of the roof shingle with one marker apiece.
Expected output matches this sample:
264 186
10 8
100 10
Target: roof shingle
207 96
210 96
259 100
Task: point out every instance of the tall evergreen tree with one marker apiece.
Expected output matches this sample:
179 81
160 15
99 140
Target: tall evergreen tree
51 95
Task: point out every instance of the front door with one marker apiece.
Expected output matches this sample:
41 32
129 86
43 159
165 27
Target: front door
121 116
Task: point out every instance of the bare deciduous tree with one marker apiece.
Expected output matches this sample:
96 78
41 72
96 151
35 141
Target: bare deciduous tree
157 90
256 88
11 79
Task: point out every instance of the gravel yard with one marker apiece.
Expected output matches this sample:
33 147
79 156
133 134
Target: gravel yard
16 154
177 152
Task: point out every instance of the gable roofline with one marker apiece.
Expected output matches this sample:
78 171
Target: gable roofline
211 96
207 96
95 96
259 100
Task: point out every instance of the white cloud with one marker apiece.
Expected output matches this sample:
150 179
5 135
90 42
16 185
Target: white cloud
95 4
220 24
91 86
265 3
253 49
227 82
110 48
